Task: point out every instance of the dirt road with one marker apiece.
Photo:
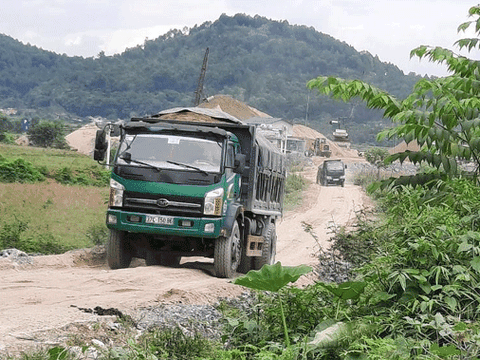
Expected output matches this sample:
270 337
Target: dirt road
46 294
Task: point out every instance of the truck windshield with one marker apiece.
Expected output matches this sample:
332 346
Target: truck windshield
172 152
334 165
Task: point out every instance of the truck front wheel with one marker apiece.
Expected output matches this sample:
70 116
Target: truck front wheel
119 254
228 252
269 248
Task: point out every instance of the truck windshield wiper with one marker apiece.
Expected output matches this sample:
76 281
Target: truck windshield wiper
188 166
127 157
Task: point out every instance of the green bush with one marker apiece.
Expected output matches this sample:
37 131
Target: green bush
19 170
294 185
11 234
7 138
93 176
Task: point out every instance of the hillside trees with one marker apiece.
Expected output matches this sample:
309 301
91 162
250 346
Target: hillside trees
441 114
260 61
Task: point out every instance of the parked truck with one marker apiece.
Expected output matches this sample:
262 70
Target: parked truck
193 182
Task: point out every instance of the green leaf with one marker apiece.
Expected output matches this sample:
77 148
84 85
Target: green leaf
272 277
461 326
451 302
464 246
475 263
443 351
347 290
58 353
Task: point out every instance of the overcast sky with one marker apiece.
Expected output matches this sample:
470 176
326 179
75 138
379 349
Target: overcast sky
387 28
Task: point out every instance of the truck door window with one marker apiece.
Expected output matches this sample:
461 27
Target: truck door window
230 160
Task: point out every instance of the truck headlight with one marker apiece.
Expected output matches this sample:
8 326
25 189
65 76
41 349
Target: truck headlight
213 202
116 193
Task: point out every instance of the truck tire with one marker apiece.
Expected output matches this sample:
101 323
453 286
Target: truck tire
228 252
269 248
119 255
246 262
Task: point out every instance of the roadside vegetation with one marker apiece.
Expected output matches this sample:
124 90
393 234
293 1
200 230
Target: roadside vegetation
52 200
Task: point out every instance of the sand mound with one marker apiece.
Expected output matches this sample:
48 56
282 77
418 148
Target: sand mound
83 139
403 146
304 132
233 107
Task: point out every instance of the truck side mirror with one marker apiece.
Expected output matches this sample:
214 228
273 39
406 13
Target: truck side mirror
239 164
100 145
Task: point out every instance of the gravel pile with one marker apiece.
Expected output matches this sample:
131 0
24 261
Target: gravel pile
205 320
191 319
16 256
394 169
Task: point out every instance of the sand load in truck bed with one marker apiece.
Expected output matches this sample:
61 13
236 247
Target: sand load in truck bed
196 114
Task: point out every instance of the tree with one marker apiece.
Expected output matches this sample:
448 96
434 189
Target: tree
48 134
6 127
441 114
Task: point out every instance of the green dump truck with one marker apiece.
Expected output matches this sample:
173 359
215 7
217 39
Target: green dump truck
193 182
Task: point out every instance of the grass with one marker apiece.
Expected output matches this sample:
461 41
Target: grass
294 186
65 212
52 159
60 216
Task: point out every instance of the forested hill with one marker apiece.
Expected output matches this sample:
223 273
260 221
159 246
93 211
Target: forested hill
262 62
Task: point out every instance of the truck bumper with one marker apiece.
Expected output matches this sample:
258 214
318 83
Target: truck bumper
177 225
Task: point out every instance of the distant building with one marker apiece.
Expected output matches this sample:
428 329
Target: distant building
9 111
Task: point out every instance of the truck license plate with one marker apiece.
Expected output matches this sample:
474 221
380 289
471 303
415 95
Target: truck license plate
158 219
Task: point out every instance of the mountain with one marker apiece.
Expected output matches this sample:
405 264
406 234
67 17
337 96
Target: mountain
261 62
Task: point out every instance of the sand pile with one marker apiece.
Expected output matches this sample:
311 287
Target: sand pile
83 139
304 132
403 146
233 107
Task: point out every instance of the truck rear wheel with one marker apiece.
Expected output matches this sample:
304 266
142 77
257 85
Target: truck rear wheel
119 255
228 252
269 248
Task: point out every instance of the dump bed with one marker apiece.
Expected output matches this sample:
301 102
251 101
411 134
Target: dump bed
263 181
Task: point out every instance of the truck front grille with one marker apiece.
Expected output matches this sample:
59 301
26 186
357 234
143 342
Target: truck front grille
163 204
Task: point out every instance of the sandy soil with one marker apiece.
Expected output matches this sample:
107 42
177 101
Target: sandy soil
46 294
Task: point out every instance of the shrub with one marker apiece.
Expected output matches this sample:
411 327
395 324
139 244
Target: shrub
11 234
294 186
93 176
19 170
7 138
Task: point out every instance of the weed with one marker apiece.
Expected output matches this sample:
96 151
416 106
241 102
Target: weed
294 186
97 234
11 234
174 344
